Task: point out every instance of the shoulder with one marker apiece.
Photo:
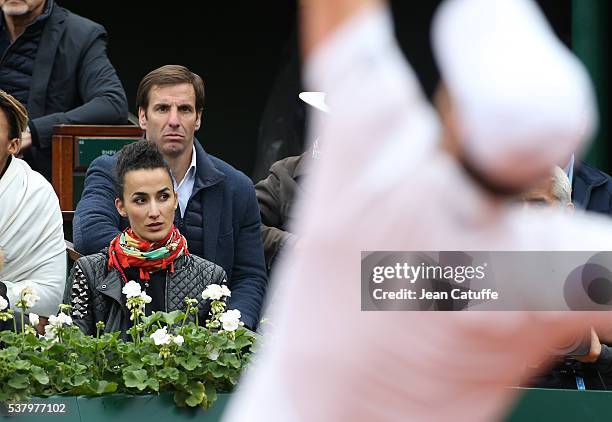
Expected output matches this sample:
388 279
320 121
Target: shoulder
229 171
204 268
286 165
79 24
592 176
94 264
35 182
200 262
103 162
235 180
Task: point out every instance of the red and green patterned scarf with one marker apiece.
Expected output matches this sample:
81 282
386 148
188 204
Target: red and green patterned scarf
128 250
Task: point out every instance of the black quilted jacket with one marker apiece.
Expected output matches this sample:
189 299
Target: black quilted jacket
95 294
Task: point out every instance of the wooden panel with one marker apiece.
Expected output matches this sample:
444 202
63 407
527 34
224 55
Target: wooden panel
64 150
98 130
62 154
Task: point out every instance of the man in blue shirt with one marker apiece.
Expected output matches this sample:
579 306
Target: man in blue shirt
218 211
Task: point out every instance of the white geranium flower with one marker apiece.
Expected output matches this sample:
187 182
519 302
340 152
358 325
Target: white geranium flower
131 289
64 319
145 297
230 319
225 291
3 303
161 337
50 333
212 292
54 321
59 320
34 320
178 340
29 297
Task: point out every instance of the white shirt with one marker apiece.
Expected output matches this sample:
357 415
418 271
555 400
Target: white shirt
185 187
32 237
326 360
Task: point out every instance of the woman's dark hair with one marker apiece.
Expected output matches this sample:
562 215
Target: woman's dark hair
140 155
15 113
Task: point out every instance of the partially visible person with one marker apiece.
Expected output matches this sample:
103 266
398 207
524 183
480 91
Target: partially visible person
54 62
553 191
218 211
592 371
31 233
151 251
278 192
4 304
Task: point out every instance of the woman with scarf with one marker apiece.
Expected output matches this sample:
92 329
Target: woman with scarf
151 251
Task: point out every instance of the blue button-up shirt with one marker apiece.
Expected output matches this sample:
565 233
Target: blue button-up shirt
184 188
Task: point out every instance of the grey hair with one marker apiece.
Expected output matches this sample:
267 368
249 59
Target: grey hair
561 188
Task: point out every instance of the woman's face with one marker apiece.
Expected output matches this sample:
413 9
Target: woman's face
149 202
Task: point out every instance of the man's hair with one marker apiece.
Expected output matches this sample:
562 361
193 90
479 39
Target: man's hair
170 74
560 187
15 113
139 155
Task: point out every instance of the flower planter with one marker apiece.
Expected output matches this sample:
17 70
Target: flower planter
536 404
119 408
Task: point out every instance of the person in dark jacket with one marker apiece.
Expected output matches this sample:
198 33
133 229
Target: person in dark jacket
4 303
218 211
55 63
278 192
276 195
591 189
151 252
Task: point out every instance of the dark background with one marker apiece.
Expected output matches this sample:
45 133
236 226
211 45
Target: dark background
239 48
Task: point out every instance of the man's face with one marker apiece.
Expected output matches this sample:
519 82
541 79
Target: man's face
22 7
148 202
171 119
7 146
541 195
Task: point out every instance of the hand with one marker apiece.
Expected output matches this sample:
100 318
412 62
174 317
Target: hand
594 352
42 321
26 143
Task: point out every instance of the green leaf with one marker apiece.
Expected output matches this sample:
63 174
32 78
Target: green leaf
168 373
9 353
151 319
19 381
189 363
229 359
211 395
135 378
196 392
171 317
217 370
152 359
179 398
133 358
39 375
22 364
243 341
103 387
153 384
80 380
